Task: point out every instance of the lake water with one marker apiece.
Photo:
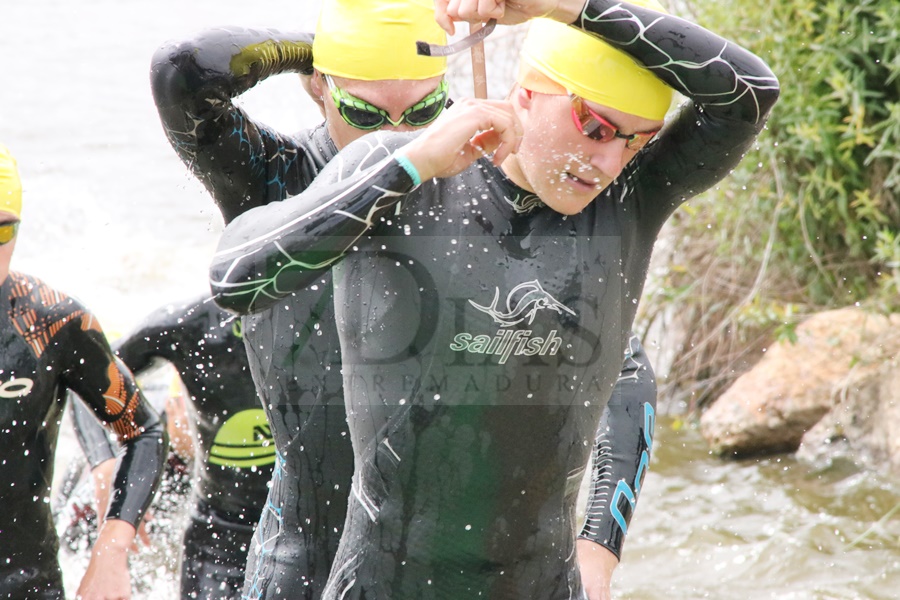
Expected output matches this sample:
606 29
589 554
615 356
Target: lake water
113 217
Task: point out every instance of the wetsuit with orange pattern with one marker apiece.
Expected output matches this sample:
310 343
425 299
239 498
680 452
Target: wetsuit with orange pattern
51 343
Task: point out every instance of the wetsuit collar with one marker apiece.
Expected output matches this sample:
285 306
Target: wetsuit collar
521 200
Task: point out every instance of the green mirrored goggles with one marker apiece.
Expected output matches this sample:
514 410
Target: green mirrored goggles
362 115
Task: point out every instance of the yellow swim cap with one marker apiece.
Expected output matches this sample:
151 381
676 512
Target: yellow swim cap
10 185
376 39
589 67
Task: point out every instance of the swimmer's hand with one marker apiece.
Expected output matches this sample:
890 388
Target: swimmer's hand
507 12
107 577
596 564
464 133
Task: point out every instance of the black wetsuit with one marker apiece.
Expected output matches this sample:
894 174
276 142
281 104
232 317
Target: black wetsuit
293 346
52 343
234 450
481 332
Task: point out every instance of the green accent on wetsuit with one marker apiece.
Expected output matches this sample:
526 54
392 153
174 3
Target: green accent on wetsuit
269 54
245 440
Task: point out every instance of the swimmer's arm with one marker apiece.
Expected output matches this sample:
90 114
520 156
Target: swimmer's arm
164 334
722 77
105 384
101 450
95 441
730 93
621 453
597 564
138 351
270 251
194 83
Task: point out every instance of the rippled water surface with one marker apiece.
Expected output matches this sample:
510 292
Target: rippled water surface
770 528
113 217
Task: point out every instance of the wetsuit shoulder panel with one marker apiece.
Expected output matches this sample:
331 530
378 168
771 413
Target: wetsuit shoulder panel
194 82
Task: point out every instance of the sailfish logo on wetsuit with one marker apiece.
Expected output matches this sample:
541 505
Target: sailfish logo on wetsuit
522 304
534 299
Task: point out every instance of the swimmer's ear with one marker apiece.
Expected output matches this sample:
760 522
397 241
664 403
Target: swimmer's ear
524 97
315 87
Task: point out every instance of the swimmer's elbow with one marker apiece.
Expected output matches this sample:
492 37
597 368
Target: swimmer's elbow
228 294
768 95
237 289
232 303
167 80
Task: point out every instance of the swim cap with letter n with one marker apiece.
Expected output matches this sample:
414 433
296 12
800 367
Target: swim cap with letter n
10 184
589 67
373 40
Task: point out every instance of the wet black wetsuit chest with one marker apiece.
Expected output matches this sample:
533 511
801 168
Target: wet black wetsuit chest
486 302
473 319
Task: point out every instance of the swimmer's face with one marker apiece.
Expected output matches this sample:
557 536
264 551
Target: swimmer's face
565 168
6 250
392 95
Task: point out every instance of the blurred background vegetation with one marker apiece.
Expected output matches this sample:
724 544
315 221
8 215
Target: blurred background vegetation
810 220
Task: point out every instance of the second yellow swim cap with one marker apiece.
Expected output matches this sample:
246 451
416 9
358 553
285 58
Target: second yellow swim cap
10 184
589 67
376 39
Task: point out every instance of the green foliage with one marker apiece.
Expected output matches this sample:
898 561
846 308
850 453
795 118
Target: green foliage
809 219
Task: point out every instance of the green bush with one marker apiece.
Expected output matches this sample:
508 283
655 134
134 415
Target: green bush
810 218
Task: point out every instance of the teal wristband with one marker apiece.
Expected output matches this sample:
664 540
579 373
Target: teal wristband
409 168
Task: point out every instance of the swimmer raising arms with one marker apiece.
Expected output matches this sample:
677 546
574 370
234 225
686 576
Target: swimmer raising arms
523 269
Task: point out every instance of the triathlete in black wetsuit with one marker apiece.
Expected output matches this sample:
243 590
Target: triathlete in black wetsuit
52 343
293 347
481 330
293 354
234 453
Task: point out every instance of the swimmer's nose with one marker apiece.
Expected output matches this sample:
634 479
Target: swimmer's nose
611 157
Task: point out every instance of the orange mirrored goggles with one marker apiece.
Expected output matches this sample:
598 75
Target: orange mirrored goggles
597 128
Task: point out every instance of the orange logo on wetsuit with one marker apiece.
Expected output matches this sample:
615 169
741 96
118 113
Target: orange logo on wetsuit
522 304
38 330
